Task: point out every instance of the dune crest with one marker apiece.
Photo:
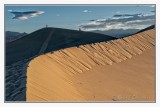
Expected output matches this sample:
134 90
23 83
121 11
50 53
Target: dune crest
50 77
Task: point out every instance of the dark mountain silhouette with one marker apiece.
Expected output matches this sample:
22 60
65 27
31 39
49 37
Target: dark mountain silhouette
11 36
11 33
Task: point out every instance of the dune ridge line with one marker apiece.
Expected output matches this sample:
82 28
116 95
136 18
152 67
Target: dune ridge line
61 65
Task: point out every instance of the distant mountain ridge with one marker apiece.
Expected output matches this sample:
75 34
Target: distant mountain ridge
148 28
11 35
118 33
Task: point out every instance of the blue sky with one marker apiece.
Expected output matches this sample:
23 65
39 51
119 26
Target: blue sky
73 17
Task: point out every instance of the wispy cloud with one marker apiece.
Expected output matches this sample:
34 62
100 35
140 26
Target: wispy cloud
25 14
145 5
120 21
152 6
57 15
87 11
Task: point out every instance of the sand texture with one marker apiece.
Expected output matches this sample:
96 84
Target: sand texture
116 70
39 42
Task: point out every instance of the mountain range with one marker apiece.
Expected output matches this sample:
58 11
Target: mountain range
11 36
119 33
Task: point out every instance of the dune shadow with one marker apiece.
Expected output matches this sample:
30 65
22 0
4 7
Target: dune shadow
20 52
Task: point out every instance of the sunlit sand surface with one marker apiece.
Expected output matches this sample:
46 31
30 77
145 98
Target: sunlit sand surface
117 70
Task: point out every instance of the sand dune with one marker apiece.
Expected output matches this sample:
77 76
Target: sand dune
117 70
34 44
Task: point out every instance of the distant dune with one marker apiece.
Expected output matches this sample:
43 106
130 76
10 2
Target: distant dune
117 70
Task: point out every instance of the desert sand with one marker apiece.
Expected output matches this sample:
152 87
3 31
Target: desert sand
38 43
117 70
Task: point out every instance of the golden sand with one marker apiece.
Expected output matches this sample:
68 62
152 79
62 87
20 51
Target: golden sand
118 70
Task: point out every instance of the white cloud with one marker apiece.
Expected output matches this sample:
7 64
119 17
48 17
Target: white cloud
25 15
86 11
121 21
10 10
145 5
152 5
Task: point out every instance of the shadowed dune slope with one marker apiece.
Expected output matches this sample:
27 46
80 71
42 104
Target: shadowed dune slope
117 70
30 45
21 51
